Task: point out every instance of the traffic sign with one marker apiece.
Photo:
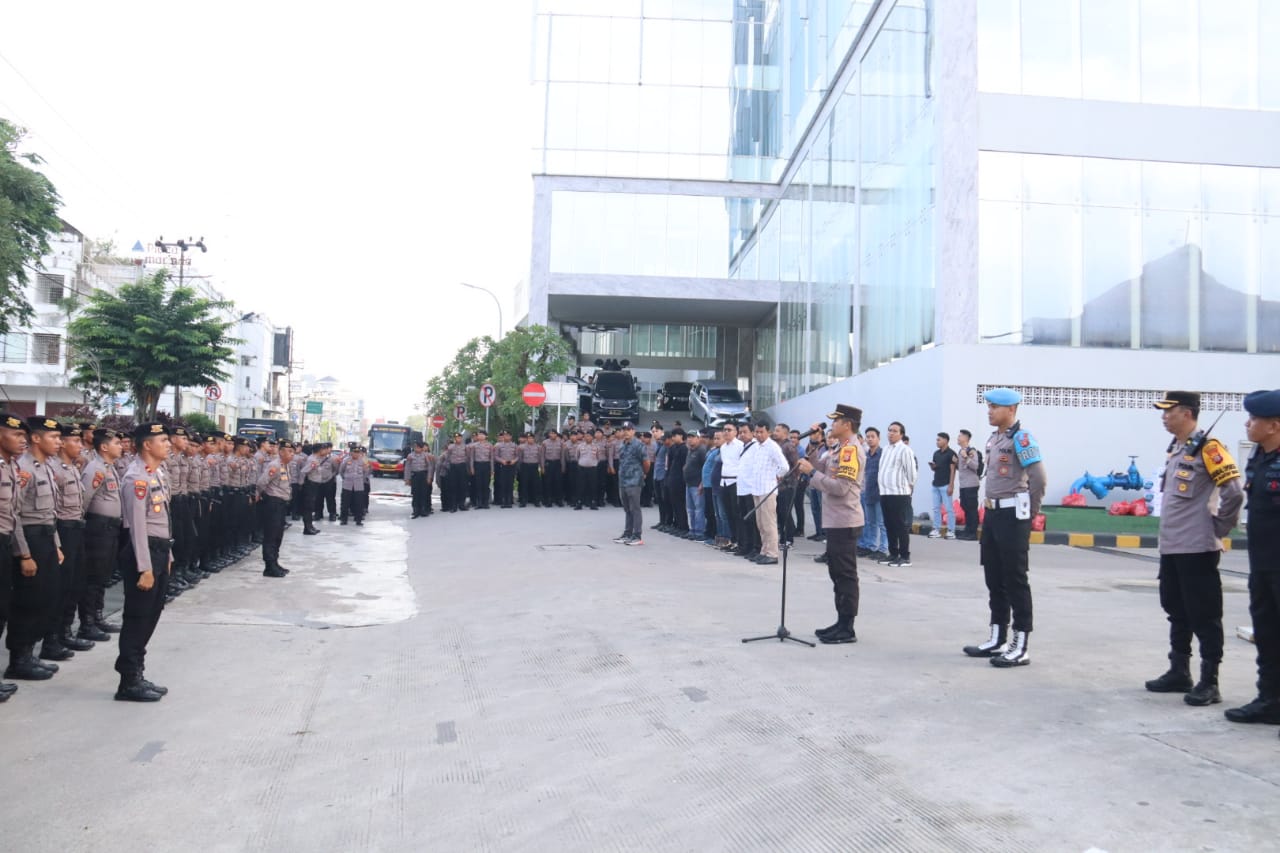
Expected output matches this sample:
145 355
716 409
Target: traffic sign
213 392
459 412
315 407
437 421
534 394
488 395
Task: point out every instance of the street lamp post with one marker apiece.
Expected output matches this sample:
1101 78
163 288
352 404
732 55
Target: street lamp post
495 302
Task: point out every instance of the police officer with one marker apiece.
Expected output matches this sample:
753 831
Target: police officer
295 480
1015 486
146 558
1263 490
211 480
312 486
22 664
572 448
356 475
480 467
1191 546
530 466
69 514
37 596
275 492
328 469
101 486
506 456
552 469
588 458
840 481
455 458
417 476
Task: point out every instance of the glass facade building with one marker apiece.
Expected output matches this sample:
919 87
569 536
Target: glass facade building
856 197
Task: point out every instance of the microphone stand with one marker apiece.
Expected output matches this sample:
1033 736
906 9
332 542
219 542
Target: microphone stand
782 634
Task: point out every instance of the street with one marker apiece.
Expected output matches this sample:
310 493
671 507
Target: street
512 680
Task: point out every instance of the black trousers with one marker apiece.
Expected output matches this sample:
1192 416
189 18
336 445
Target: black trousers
529 484
711 524
209 509
33 608
71 534
330 495
969 503
504 485
552 488
801 488
611 487
142 608
570 482
274 511
483 484
748 530
587 492
679 504
6 578
897 524
457 487
664 502
101 549
355 502
295 500
1006 545
602 483
310 500
729 494
785 514
842 566
646 491
1264 607
1191 595
420 489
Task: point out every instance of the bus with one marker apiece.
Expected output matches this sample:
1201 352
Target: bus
389 444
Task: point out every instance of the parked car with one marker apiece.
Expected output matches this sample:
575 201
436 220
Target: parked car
674 396
714 402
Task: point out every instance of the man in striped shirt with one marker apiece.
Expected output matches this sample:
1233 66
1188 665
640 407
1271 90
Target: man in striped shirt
897 481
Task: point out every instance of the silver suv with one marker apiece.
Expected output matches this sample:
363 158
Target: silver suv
714 402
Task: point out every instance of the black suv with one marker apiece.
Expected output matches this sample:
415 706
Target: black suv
614 395
674 396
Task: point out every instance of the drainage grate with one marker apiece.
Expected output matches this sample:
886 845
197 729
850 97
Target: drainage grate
566 547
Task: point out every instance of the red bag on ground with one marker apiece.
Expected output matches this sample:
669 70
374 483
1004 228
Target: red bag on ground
959 511
1139 508
1120 508
1077 499
1038 522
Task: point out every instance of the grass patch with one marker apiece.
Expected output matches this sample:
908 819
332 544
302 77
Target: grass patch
1072 519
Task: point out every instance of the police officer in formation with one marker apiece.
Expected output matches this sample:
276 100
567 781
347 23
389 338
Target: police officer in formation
276 490
357 475
506 458
419 471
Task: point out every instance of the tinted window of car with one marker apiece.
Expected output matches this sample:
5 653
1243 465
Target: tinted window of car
614 386
677 389
726 395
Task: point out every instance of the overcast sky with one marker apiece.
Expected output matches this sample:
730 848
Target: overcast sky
347 164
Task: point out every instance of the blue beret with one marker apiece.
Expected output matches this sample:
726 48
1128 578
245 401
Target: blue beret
1003 397
1263 404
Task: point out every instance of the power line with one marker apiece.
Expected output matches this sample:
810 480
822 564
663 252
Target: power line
51 107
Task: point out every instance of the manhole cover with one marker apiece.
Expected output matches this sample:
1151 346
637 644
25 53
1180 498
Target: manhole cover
566 547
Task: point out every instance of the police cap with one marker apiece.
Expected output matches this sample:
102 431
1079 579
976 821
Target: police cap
40 423
147 430
1002 397
178 430
1190 399
70 430
1263 404
851 414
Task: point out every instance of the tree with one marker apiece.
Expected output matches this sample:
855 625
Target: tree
148 336
28 215
525 354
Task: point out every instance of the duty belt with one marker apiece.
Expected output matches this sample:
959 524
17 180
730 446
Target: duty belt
99 518
38 528
70 522
1001 503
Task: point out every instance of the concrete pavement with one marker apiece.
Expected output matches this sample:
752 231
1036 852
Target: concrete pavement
512 680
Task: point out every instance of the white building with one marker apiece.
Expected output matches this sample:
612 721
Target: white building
341 418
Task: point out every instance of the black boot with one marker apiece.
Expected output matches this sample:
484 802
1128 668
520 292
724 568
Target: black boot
89 630
1206 691
1177 679
71 641
993 646
272 572
1264 709
1015 652
830 629
24 667
7 689
842 634
52 649
134 689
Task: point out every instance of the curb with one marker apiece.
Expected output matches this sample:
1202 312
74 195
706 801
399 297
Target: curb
1092 540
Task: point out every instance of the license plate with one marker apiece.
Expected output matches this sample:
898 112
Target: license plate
615 411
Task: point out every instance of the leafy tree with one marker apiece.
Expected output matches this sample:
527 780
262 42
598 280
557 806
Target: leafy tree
28 215
147 336
198 422
525 354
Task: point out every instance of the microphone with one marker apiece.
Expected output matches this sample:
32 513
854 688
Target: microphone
819 428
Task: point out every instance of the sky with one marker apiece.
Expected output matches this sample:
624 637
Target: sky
347 164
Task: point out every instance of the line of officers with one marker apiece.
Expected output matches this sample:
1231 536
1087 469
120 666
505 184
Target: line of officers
160 510
577 467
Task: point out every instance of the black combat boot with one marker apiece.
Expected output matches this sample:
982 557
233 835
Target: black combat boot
993 646
830 629
1206 691
71 641
134 689
842 634
1264 709
89 629
272 572
1177 679
99 619
7 689
23 667
1015 653
52 649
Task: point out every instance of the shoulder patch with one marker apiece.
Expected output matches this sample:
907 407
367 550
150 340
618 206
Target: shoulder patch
24 477
848 466
140 489
273 471
1027 449
98 478
1218 462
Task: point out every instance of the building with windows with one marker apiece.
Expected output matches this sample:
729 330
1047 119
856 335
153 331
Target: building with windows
899 203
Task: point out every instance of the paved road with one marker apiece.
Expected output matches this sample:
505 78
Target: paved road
511 680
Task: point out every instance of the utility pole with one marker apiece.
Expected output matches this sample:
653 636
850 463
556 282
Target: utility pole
182 246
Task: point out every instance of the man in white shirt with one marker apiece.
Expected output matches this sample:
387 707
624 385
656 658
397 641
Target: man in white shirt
730 459
748 533
897 479
763 468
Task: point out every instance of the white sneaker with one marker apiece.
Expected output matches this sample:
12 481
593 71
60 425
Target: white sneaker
933 534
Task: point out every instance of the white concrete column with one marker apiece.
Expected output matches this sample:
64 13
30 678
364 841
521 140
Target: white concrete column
540 256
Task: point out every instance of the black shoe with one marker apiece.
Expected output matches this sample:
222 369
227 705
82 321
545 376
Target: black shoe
272 572
766 561
136 690
821 558
163 691
1177 679
840 635
102 623
830 629
26 668
342 523
360 523
7 690
1206 690
52 649
311 532
90 631
1260 710
415 515
76 644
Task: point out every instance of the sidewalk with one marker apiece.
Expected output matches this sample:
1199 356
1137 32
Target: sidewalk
518 682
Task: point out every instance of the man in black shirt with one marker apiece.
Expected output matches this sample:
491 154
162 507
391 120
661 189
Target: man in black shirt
677 455
944 486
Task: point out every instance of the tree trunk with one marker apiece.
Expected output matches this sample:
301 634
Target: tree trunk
177 402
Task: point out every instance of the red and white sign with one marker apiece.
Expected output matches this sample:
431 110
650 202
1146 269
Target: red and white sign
459 412
213 392
534 394
437 421
488 395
